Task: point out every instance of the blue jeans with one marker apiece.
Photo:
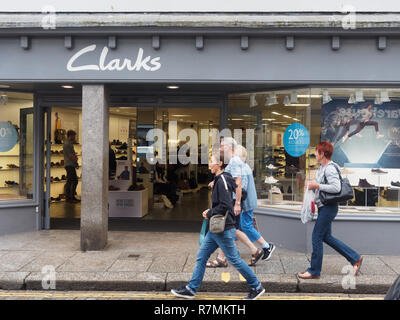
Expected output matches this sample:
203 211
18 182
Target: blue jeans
323 233
225 241
246 223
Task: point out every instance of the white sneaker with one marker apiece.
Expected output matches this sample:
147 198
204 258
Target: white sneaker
276 190
379 136
167 203
270 180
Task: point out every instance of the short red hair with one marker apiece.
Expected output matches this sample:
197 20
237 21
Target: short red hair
326 148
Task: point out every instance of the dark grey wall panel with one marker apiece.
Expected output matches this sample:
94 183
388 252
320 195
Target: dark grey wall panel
265 60
14 220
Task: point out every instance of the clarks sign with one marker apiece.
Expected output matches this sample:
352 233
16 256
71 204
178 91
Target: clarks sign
135 63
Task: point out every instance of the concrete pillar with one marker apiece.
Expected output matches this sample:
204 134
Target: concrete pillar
95 157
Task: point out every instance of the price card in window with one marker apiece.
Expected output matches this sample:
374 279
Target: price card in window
8 136
296 140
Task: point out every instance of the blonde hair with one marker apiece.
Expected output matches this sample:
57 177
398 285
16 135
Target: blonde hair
241 152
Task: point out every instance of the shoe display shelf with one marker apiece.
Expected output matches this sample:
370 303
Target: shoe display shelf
57 169
10 170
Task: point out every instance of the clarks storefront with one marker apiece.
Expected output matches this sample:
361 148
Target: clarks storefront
112 83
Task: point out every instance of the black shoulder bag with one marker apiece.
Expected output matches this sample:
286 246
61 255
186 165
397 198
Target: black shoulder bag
345 193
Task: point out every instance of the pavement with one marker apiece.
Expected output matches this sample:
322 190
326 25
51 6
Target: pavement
159 261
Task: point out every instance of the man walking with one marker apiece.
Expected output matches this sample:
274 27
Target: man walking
70 164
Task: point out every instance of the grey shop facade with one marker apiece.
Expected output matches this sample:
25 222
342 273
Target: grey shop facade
261 79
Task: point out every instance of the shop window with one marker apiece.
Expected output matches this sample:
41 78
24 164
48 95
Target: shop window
16 146
363 124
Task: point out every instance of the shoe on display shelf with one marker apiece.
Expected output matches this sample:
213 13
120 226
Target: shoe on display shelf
363 183
270 180
347 171
379 171
276 190
395 184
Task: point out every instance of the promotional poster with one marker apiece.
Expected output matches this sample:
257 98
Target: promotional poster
354 128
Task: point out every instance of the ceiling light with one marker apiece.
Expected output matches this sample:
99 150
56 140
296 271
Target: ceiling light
286 100
285 116
385 96
67 87
271 100
352 99
173 87
295 119
237 119
326 97
253 101
268 119
359 96
3 98
293 97
4 86
297 105
277 113
377 99
309 96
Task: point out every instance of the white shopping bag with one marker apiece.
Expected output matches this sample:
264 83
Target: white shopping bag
308 208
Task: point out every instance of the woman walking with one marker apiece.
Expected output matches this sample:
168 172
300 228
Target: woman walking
222 202
322 232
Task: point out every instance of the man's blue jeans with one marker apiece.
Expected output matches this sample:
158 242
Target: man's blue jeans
323 233
246 223
225 241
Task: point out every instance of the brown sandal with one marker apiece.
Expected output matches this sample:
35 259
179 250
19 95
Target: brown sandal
255 257
217 263
357 266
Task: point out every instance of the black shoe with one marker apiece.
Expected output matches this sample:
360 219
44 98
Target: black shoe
268 252
363 183
255 294
395 184
182 293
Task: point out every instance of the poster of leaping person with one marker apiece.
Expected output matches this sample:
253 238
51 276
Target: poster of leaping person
355 128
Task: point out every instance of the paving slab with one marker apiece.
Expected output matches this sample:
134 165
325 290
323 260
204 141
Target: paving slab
294 264
373 265
133 265
16 260
393 262
53 259
89 261
168 263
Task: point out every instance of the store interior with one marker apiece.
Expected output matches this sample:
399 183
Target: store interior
133 177
134 185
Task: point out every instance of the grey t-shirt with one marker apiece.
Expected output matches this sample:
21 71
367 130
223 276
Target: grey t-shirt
333 181
69 151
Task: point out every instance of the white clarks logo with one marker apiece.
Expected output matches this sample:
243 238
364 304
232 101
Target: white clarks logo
147 63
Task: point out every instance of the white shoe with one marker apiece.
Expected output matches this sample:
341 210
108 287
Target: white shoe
379 136
276 190
167 203
270 180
